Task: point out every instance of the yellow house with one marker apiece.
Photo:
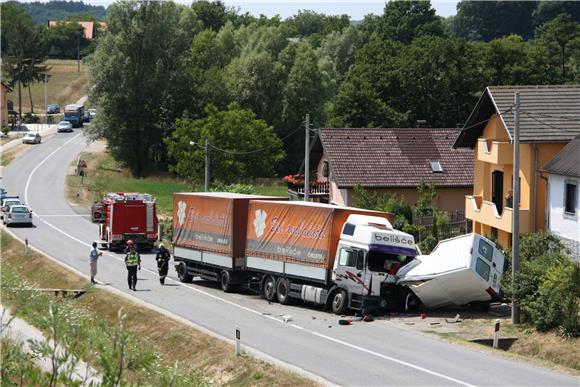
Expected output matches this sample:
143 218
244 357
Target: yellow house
549 119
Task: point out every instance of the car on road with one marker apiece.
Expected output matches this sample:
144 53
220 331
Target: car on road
18 214
31 138
87 116
64 126
8 202
92 112
53 108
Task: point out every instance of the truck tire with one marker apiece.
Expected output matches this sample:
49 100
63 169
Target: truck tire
283 288
226 281
339 302
269 288
182 273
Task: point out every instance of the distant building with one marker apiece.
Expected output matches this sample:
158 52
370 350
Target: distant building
388 161
90 28
562 204
549 119
5 105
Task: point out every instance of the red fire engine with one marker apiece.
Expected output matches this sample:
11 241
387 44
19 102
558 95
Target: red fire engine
123 216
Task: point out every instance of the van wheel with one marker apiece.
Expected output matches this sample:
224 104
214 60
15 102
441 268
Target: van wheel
340 302
283 288
182 273
412 303
479 306
269 288
226 281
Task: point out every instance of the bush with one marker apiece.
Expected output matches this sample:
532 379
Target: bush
247 189
391 203
30 118
5 130
428 244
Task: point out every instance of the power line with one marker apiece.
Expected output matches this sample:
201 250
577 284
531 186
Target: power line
486 120
547 124
255 150
564 118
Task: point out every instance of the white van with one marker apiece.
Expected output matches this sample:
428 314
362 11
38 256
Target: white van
460 271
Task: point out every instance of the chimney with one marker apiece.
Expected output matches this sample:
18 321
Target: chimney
421 123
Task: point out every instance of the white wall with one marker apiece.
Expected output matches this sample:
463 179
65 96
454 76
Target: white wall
560 223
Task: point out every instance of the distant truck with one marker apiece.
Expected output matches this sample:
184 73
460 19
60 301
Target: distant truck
460 271
318 253
124 216
74 113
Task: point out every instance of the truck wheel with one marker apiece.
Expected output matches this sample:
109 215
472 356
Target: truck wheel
269 288
226 281
182 273
283 288
340 302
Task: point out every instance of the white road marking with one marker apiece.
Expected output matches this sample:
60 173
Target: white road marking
65 216
314 333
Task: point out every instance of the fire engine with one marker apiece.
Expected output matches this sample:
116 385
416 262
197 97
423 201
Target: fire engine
124 216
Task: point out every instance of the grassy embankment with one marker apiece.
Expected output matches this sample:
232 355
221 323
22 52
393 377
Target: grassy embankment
155 341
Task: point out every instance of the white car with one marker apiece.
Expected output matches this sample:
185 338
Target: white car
93 113
31 138
64 126
7 203
18 214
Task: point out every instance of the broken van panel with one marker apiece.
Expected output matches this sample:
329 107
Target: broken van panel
459 271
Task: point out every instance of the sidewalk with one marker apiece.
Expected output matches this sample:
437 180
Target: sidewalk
20 329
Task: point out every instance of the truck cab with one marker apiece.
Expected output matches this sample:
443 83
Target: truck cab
368 257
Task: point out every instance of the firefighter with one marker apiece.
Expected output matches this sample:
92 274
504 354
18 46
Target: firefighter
133 262
163 256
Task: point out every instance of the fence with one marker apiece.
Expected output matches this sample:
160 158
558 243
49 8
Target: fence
457 226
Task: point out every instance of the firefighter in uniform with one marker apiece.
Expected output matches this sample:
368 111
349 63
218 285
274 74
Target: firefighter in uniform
163 256
133 262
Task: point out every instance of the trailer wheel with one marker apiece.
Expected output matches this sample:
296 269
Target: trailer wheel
283 288
182 273
340 301
269 288
226 281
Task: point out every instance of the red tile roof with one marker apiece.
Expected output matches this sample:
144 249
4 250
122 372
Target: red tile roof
89 27
396 157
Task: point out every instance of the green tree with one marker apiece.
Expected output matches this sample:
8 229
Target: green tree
242 146
560 37
387 202
139 81
427 194
337 52
65 38
549 9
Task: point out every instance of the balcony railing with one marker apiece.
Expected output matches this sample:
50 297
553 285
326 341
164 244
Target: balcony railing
495 152
316 189
486 213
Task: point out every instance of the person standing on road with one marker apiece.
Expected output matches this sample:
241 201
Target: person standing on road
133 262
94 255
128 247
163 256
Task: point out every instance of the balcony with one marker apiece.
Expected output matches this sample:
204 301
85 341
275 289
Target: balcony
317 190
486 213
495 152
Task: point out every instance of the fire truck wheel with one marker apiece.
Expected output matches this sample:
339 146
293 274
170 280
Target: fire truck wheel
226 281
269 288
182 273
283 288
339 302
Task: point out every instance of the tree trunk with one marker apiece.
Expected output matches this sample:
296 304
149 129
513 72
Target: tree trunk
564 62
20 99
30 96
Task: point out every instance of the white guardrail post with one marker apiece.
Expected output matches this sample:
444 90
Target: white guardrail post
238 339
496 334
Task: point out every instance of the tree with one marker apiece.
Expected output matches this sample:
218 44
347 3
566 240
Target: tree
337 52
139 81
65 38
560 36
549 9
242 146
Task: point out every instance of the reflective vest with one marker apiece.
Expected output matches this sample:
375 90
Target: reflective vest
132 259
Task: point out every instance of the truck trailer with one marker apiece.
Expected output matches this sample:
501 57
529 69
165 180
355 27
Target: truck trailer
329 255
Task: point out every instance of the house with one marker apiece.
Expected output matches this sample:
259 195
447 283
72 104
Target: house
90 28
562 204
389 160
549 119
5 105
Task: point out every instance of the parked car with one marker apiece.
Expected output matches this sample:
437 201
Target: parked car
93 112
7 202
31 138
18 214
53 108
64 126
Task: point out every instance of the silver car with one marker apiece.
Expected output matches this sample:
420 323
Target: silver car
18 215
7 203
64 126
31 138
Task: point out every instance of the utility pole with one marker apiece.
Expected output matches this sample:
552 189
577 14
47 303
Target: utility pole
78 52
206 165
307 160
516 209
45 99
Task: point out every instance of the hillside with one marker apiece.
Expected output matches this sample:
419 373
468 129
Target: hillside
59 10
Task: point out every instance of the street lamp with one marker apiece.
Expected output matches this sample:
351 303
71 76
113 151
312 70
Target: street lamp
206 149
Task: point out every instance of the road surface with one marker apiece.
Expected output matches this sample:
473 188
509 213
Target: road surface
370 354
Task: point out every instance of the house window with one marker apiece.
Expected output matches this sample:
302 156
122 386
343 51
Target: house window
497 190
570 198
436 166
325 169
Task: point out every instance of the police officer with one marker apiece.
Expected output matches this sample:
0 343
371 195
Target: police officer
133 262
163 256
128 247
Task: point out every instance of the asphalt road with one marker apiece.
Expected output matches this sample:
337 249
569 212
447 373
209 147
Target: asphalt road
369 354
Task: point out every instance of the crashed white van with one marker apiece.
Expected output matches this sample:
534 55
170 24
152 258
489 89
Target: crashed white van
460 271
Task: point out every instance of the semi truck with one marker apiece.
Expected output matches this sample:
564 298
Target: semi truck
74 113
124 216
335 256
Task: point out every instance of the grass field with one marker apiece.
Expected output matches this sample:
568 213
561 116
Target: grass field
65 85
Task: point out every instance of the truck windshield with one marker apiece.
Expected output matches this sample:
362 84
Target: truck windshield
388 263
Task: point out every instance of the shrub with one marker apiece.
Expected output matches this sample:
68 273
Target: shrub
428 244
30 118
236 188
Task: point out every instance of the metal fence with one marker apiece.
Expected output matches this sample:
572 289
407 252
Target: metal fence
457 226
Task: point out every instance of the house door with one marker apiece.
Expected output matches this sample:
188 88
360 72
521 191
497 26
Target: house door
497 190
